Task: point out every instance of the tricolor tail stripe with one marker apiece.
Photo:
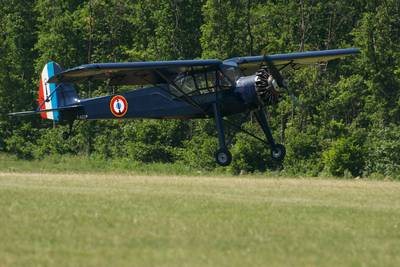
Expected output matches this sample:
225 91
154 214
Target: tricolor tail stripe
48 89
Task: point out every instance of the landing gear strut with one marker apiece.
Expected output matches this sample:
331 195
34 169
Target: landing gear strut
278 151
222 156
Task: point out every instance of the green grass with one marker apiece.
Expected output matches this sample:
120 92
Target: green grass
121 220
84 164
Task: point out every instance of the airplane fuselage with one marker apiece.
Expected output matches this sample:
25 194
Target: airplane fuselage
159 103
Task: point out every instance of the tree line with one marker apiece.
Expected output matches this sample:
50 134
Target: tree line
346 121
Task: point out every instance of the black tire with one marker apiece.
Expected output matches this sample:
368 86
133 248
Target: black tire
65 135
223 157
278 153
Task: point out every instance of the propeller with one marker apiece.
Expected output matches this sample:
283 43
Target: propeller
268 81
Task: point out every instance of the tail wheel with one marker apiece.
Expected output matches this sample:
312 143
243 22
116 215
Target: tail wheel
278 152
65 135
223 157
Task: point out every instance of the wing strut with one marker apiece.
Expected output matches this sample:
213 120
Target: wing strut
186 97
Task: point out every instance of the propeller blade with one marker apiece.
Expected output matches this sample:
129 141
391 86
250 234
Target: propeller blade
276 74
281 82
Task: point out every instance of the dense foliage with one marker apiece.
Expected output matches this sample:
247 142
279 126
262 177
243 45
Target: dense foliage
347 121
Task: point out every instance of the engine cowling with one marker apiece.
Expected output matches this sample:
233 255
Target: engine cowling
261 87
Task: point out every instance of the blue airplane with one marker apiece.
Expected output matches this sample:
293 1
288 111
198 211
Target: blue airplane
180 89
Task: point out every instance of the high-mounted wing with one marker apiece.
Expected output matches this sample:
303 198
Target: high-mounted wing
252 64
133 73
157 72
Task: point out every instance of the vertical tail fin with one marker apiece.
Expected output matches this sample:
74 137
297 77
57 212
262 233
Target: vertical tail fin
53 96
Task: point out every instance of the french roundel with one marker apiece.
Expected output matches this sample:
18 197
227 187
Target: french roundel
118 106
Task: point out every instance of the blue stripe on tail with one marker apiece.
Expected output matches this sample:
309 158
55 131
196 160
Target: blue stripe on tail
54 98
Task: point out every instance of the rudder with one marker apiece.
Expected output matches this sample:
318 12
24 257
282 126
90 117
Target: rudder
53 96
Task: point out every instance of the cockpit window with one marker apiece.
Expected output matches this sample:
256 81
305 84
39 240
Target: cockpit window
199 83
186 83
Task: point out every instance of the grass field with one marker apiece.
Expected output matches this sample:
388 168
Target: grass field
106 220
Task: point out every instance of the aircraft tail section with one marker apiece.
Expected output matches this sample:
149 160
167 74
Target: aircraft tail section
53 96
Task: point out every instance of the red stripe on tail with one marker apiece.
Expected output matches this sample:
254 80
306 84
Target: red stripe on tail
41 99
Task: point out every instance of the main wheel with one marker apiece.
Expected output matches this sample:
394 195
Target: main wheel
278 152
223 157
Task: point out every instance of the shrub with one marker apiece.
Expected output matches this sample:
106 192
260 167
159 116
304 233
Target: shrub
249 155
383 151
147 153
303 154
22 142
199 152
345 155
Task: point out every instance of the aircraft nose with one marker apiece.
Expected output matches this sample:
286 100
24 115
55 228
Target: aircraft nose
246 88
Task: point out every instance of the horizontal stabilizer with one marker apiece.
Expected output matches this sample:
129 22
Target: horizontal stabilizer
27 113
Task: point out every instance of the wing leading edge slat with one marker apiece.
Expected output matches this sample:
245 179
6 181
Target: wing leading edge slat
252 63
